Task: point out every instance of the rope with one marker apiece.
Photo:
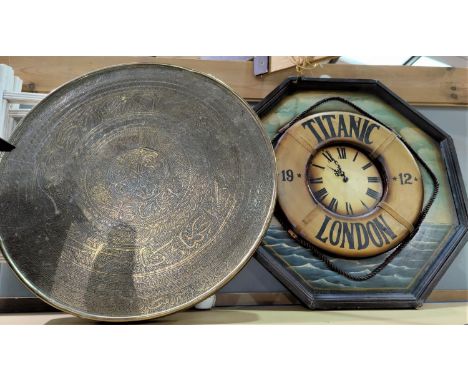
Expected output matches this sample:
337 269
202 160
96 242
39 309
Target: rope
321 255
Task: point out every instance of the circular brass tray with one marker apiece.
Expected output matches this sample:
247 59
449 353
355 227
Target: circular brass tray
134 192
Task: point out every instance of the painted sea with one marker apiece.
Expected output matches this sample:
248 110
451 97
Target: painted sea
398 275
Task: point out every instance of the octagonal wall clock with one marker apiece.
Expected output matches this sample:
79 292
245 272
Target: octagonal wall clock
371 205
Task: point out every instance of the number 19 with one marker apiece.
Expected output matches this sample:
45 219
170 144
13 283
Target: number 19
288 175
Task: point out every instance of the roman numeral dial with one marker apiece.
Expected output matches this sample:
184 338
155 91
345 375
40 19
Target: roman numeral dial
373 194
349 209
341 152
344 180
333 205
321 194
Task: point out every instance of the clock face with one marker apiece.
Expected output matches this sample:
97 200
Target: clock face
344 180
347 184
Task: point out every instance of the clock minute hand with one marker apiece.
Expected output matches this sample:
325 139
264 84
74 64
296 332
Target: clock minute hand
335 171
338 171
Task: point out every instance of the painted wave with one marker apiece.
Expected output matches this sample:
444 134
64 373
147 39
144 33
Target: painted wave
397 275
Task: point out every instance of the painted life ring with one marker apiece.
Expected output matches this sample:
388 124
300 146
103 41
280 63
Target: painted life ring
347 184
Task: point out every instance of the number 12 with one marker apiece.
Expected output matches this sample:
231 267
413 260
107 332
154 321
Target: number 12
405 178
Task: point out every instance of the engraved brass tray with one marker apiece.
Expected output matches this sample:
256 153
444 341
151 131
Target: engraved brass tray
135 191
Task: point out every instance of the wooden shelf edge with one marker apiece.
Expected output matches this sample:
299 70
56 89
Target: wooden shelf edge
35 305
422 86
286 298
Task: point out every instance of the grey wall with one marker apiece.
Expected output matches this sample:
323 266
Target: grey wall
254 278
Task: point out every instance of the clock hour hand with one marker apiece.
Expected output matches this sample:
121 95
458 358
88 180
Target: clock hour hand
339 172
342 173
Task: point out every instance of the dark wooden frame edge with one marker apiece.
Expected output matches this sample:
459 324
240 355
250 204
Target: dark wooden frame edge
376 300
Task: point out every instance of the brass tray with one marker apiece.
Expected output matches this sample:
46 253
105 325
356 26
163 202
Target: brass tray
135 191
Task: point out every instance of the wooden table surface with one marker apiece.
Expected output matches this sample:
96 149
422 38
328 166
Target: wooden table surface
435 313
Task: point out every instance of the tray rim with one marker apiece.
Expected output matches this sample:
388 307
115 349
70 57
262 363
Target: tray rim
216 287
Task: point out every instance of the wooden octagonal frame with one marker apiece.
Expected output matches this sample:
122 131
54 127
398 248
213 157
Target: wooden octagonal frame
414 298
